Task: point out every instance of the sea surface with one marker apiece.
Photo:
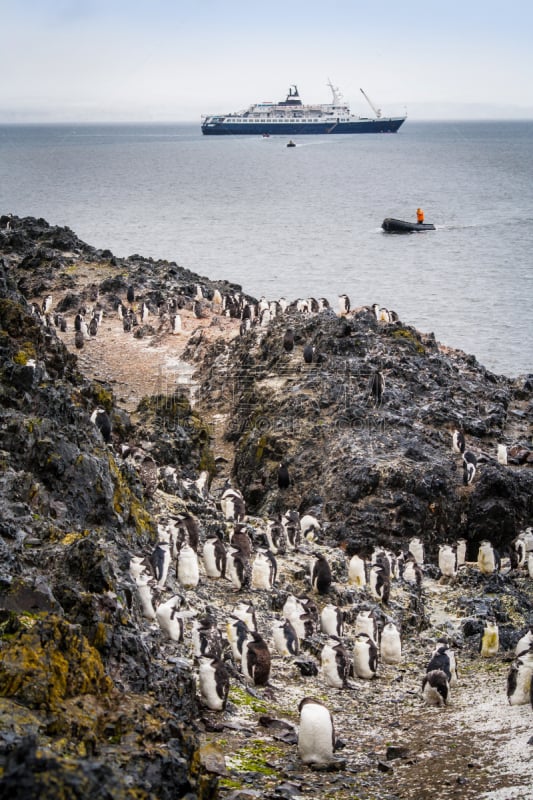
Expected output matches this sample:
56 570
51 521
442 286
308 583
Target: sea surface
306 221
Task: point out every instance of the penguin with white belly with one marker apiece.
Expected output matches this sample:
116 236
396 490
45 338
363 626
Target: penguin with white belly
169 619
206 639
365 657
214 557
237 633
214 683
366 622
390 644
316 734
490 640
335 663
332 620
285 637
356 572
264 570
519 679
187 569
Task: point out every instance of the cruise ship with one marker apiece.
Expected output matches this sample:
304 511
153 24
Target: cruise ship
290 117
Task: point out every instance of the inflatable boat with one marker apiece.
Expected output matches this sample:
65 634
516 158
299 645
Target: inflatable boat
391 225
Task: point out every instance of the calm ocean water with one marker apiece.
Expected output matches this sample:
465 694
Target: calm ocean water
306 221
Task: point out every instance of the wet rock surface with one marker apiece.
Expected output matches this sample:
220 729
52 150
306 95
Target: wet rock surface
95 700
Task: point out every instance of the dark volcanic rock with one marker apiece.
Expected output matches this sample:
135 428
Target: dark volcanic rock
387 470
73 510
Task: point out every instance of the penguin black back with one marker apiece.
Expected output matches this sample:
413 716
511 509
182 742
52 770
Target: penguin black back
284 479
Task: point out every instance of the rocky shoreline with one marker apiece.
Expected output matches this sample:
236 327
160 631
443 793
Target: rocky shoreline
95 700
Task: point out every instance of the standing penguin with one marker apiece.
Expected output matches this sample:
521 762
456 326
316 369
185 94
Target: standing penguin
285 637
469 467
237 633
214 557
365 622
187 569
206 639
332 620
518 552
379 583
344 305
276 537
416 547
502 454
356 572
519 679
295 610
435 688
145 585
443 658
390 644
232 504
288 340
214 683
256 659
490 640
488 559
130 295
458 441
309 353
160 561
447 561
335 663
264 570
377 387
293 529
411 572
284 478
365 656
241 541
100 418
93 326
316 734
238 569
170 622
460 551
321 574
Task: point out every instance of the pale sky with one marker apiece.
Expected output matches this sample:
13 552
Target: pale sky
173 60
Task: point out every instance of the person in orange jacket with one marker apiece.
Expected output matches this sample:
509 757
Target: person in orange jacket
419 216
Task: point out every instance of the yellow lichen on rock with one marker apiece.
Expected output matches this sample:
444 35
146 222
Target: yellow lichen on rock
52 661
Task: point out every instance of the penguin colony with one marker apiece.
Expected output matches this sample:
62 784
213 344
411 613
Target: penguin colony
163 316
245 556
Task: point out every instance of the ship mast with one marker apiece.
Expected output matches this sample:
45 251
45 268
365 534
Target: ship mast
337 96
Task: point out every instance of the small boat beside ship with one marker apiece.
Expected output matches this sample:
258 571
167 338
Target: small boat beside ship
291 117
391 225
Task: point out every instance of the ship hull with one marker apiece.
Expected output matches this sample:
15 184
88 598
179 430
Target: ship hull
390 125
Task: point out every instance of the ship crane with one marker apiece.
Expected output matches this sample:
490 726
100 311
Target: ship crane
377 111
